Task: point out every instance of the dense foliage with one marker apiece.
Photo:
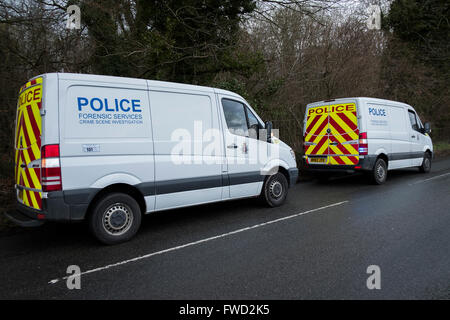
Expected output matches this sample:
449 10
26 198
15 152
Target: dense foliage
280 55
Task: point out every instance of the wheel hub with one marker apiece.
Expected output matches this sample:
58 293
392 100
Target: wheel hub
381 172
276 189
427 163
117 219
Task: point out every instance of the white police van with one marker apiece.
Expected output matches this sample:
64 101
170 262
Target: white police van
367 134
109 149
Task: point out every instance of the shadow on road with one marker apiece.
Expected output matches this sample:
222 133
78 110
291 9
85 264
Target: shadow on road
363 179
67 235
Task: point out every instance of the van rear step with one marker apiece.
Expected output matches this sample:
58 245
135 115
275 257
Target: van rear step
22 220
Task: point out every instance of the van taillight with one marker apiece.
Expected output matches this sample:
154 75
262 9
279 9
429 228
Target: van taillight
50 168
363 144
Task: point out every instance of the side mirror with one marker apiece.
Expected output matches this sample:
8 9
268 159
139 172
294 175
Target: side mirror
269 131
427 127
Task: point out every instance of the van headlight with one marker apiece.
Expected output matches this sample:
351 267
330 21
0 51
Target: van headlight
292 153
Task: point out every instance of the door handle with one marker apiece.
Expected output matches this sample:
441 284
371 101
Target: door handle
232 146
413 136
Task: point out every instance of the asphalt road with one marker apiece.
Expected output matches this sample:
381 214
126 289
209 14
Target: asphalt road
317 246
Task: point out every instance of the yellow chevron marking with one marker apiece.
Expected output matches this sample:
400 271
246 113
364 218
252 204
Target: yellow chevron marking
31 150
33 201
350 148
344 126
37 116
34 177
316 126
25 198
29 128
332 160
346 160
317 140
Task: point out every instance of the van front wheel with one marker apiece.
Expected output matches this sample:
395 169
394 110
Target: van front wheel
379 173
275 190
115 218
426 163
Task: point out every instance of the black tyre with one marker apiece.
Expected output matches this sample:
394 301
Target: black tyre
426 163
115 218
379 173
275 190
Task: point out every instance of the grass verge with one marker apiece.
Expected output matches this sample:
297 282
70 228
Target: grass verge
441 148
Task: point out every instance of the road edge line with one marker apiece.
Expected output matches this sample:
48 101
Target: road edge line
189 244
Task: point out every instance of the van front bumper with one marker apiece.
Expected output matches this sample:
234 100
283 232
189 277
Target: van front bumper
365 164
293 176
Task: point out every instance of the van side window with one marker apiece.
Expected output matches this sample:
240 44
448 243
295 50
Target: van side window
253 124
412 118
235 116
251 118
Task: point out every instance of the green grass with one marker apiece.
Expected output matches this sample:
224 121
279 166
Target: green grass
443 145
441 148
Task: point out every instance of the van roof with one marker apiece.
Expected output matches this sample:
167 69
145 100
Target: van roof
136 81
360 99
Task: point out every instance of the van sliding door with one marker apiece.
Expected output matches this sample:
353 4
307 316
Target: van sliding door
188 148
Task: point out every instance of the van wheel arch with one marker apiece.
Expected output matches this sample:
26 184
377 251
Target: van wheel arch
384 157
278 169
118 188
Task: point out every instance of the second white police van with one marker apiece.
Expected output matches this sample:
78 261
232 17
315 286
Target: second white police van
110 149
367 134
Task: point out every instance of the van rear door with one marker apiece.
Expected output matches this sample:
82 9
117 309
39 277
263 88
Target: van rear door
343 134
316 135
28 144
331 134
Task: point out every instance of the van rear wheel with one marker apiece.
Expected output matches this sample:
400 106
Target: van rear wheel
379 172
426 163
115 218
275 190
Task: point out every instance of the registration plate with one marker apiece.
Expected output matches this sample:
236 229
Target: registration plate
318 160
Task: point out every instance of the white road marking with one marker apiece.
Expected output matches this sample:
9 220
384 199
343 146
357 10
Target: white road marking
198 242
426 180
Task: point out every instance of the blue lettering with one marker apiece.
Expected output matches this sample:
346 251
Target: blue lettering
136 104
122 107
377 112
100 106
82 104
106 106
